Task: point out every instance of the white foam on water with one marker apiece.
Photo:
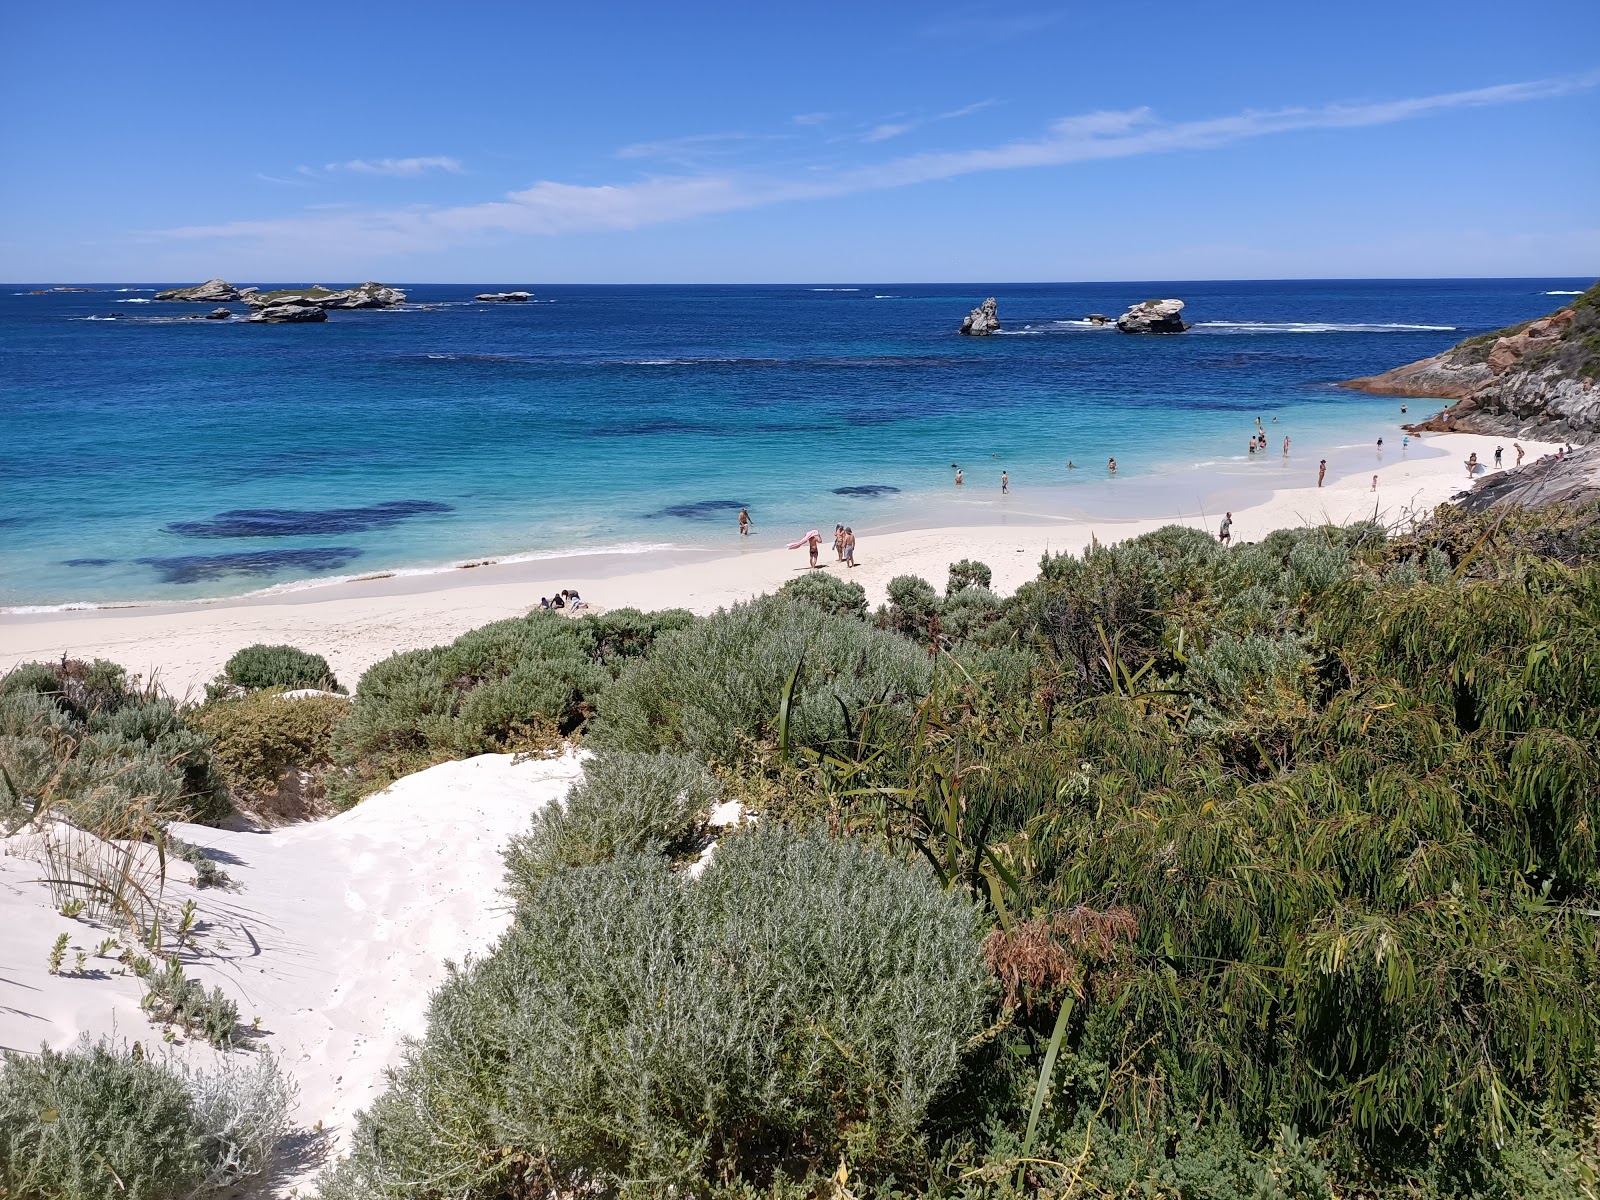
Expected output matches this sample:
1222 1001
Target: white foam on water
835 289
1573 293
135 300
1318 327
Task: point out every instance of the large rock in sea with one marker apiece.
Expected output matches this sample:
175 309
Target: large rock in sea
1154 316
505 297
1537 379
983 320
290 312
219 314
368 295
212 291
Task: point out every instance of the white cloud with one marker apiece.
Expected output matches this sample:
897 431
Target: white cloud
399 167
550 207
889 129
687 147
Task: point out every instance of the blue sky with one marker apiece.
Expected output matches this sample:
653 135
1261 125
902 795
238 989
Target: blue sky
522 143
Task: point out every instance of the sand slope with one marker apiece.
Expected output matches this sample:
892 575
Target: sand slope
335 937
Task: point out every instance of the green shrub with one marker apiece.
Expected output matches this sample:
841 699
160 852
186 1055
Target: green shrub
967 573
172 998
708 689
640 1032
108 1122
912 605
263 666
512 685
627 805
828 592
258 739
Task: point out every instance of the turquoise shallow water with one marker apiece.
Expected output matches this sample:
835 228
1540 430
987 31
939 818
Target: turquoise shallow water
148 457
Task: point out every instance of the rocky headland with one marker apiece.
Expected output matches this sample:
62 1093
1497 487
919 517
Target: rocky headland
1537 379
1154 316
983 320
1572 480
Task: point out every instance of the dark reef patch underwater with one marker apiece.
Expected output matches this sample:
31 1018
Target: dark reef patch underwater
867 489
700 510
195 568
288 522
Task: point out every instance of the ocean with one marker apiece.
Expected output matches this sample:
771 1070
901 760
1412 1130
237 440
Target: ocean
149 457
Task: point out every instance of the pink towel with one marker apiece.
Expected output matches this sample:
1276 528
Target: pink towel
805 539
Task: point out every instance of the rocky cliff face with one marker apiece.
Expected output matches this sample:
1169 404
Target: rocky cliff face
1573 480
1154 316
368 295
1539 379
983 320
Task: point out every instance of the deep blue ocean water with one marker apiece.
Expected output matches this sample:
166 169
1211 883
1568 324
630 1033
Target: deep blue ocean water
640 416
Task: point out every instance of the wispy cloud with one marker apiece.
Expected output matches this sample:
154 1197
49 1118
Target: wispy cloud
900 124
813 118
297 182
695 146
398 167
550 208
889 129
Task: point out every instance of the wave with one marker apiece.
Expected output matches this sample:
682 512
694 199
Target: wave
835 289
133 289
91 318
1319 327
135 300
888 297
1560 293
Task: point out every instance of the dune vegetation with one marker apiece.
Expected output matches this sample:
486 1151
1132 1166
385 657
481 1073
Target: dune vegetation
1265 871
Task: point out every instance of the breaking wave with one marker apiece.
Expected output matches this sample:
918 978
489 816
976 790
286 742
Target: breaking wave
1318 327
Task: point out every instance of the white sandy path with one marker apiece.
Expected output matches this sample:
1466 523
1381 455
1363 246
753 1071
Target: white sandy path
335 939
356 624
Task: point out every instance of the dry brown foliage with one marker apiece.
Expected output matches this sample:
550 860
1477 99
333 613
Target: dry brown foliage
1041 957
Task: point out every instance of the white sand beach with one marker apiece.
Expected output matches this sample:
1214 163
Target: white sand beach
355 624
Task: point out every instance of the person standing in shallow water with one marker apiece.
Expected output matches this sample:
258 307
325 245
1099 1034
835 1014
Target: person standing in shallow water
958 476
744 522
1322 471
1111 466
1005 483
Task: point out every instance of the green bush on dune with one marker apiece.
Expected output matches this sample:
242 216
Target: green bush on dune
105 1121
517 684
77 740
711 687
627 805
263 666
805 998
258 739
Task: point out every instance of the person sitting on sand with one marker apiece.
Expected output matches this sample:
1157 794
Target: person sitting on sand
849 546
559 601
573 600
544 601
744 522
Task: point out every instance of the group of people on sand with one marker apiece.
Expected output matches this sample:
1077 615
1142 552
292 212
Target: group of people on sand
566 598
844 545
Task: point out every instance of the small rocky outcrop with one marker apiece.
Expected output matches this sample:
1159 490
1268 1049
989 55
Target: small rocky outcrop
983 320
219 314
1573 479
1154 316
1537 379
505 297
212 291
290 311
1098 319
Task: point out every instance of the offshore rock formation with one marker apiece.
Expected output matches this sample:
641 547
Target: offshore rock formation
1153 316
1537 379
983 320
212 291
368 295
505 297
289 311
219 314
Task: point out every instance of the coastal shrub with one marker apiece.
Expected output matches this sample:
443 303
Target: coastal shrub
646 1034
171 997
912 605
967 573
263 666
718 684
75 740
261 739
626 805
969 612
828 592
104 1121
512 685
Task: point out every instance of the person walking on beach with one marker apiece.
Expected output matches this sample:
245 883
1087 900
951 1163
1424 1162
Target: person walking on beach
1405 443
1374 483
1380 447
1322 471
812 543
1472 464
1005 483
838 543
1517 446
1225 534
849 547
744 522
1498 451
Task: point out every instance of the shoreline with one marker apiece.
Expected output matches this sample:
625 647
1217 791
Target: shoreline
356 622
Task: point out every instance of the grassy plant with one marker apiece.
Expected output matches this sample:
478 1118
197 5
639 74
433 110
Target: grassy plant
72 909
58 953
171 997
